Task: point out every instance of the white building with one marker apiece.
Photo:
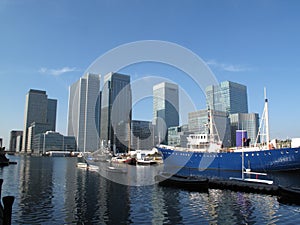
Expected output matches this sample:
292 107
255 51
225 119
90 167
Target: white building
84 112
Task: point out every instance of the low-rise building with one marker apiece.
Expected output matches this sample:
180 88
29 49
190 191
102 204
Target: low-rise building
53 141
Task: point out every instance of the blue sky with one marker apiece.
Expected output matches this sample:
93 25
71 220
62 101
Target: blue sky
49 44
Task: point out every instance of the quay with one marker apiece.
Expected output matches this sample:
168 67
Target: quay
242 185
198 183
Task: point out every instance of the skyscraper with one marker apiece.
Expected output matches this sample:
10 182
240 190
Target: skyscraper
39 110
84 112
165 108
228 97
244 121
116 103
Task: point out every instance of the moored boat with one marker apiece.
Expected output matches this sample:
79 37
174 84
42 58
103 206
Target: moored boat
211 156
186 182
289 194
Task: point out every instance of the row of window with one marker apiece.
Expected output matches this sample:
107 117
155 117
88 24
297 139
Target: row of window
216 155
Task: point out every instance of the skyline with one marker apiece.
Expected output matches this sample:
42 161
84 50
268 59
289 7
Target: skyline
49 46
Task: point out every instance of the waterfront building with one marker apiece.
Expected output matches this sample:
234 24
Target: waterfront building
165 109
244 121
53 141
199 123
14 143
177 136
116 103
38 109
228 97
34 129
84 112
141 135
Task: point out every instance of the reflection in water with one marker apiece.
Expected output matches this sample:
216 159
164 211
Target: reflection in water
54 191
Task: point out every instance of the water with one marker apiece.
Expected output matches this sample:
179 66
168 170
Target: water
54 191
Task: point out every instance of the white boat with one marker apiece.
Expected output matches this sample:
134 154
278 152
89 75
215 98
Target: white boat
115 170
82 165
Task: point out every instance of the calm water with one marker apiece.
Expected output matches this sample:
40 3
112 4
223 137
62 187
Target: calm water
54 191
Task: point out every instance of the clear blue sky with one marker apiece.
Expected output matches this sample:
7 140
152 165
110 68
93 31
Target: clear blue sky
49 44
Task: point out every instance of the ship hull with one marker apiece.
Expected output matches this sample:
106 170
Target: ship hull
264 160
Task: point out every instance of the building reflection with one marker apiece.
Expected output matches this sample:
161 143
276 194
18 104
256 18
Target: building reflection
36 189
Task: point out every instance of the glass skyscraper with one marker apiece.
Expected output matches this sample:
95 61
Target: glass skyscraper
165 109
38 110
84 112
116 103
228 97
244 121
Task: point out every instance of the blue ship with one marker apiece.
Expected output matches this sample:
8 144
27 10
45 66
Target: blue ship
284 159
204 152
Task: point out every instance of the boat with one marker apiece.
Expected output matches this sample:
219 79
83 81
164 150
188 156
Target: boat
289 194
82 165
211 155
146 161
186 182
115 169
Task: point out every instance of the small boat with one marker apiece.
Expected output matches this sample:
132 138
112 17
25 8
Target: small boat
146 161
194 183
115 170
289 194
130 161
82 165
93 168
118 159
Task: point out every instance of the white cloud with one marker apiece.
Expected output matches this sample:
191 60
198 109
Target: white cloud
57 72
227 67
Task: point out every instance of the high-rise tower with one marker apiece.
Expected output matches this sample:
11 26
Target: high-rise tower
165 108
116 103
84 112
228 97
39 111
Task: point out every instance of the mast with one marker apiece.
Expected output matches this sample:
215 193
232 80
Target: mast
211 127
267 118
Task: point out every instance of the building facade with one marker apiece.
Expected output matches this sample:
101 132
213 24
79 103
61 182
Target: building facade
228 97
38 109
165 109
199 123
53 141
177 136
141 135
116 104
14 143
84 112
245 121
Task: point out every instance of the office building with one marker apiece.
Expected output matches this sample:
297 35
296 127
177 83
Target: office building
84 112
244 121
228 97
141 135
38 109
177 136
14 143
165 109
116 103
53 141
199 123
